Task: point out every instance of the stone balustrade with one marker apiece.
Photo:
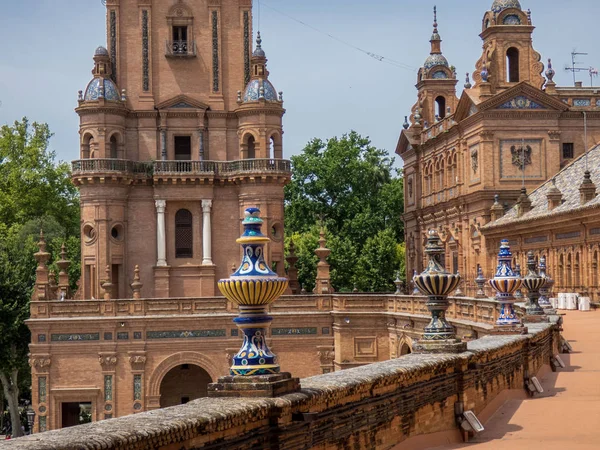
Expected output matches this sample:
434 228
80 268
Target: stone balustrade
481 311
383 403
98 166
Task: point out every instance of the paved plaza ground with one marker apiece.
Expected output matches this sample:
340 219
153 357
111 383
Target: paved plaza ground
567 415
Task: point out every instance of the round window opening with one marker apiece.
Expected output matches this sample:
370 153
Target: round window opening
117 232
89 232
277 231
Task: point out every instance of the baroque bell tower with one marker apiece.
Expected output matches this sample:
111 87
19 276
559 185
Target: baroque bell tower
508 55
180 132
436 84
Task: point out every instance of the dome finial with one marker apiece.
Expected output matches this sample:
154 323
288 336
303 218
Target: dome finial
258 51
436 35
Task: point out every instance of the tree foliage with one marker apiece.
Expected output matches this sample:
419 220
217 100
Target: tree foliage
355 189
35 193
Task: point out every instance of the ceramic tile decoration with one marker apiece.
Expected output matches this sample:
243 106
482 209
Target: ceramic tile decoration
521 102
501 5
186 334
66 337
435 60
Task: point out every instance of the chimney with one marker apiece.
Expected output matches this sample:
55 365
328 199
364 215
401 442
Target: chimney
523 203
554 196
497 210
587 189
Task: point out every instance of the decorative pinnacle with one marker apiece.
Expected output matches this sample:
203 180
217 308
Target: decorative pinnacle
468 82
258 40
435 30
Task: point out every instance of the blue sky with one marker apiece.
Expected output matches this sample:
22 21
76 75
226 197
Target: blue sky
329 88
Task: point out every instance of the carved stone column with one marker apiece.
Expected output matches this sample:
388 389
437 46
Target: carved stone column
206 233
161 238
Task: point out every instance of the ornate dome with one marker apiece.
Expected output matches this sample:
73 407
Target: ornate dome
96 89
435 60
252 92
501 5
101 51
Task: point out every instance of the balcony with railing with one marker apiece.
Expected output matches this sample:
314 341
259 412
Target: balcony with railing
181 169
184 167
181 49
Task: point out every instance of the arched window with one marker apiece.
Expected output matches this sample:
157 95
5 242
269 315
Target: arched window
595 270
561 271
184 236
576 270
440 107
86 146
512 65
569 272
113 147
251 148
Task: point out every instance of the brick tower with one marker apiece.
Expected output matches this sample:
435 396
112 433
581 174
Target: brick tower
181 130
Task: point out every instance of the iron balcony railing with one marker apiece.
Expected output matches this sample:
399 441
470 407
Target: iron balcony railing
181 48
215 168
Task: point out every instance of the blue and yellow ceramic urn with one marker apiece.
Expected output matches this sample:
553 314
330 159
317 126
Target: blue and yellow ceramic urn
253 287
436 284
505 283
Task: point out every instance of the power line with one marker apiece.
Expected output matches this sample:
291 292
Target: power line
375 56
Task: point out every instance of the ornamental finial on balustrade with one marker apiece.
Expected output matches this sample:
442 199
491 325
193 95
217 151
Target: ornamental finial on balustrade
137 285
505 283
533 282
253 287
436 283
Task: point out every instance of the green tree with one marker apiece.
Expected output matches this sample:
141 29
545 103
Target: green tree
32 185
378 263
355 189
35 192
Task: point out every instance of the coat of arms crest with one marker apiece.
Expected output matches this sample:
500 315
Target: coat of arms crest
521 155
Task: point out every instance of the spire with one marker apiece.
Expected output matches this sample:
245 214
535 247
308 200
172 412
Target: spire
554 196
436 40
258 51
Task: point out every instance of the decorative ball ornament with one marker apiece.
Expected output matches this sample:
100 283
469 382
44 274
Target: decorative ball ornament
436 283
253 287
505 283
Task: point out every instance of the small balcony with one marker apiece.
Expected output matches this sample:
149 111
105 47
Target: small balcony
184 167
161 171
181 49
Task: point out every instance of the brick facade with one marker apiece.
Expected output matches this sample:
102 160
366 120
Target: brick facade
456 163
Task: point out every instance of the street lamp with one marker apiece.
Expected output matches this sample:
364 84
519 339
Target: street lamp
30 418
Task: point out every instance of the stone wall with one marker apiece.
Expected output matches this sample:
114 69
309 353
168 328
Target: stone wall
380 404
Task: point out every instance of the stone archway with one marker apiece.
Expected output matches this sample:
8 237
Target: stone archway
405 349
153 393
182 384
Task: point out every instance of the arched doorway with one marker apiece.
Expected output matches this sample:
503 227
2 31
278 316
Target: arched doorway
182 384
405 349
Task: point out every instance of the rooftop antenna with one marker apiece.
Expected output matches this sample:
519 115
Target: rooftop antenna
593 73
585 142
573 68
